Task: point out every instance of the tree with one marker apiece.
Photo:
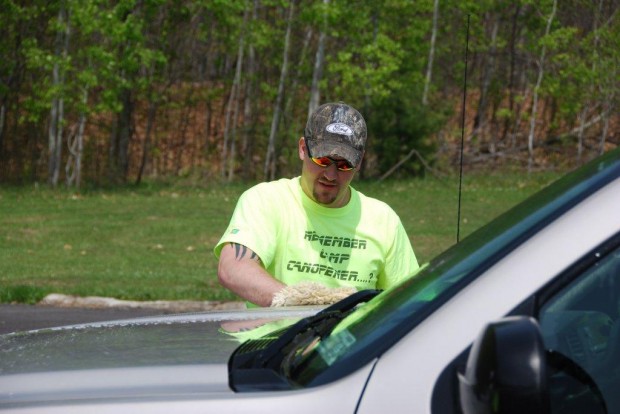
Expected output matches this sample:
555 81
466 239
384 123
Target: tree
232 107
541 71
249 103
57 114
270 161
319 61
136 88
431 54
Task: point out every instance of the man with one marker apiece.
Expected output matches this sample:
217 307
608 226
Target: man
316 227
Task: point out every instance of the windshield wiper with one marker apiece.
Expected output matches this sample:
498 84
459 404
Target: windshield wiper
257 364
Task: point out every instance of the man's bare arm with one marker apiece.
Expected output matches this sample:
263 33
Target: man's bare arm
240 270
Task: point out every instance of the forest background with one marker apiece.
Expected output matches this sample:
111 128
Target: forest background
100 93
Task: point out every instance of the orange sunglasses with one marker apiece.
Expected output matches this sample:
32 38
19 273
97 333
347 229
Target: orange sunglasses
342 165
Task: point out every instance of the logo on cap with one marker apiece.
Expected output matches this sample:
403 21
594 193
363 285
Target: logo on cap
339 128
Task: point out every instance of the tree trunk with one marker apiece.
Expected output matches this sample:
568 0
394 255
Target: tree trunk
317 74
73 168
295 81
2 121
582 121
150 121
184 122
594 86
431 54
232 104
248 118
55 130
480 120
541 70
247 143
291 123
121 135
233 137
511 72
125 134
270 158
605 129
80 150
521 89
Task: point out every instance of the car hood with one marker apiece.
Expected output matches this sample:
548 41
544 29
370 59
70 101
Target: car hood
169 355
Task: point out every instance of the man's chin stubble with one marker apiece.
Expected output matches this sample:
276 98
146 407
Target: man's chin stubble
321 200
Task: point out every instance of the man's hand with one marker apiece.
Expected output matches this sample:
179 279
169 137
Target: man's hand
310 293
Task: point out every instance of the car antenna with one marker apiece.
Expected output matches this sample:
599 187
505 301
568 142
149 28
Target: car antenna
458 222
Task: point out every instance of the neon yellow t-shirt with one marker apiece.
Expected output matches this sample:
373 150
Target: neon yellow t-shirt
362 244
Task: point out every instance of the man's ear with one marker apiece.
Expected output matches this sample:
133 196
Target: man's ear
301 146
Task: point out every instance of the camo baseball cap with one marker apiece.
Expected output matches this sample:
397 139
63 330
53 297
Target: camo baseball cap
336 129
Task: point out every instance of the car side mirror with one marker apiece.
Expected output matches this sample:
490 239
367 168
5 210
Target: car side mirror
506 370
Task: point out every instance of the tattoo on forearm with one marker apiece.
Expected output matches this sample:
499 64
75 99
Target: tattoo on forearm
241 251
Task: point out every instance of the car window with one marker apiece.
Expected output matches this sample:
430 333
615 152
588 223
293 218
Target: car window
580 325
579 318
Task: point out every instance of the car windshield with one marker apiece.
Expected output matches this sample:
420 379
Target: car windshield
321 356
377 325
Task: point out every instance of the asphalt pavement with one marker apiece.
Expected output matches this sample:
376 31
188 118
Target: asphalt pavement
27 317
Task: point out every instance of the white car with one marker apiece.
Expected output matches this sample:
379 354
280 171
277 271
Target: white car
536 291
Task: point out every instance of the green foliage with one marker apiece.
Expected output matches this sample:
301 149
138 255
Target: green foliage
398 125
374 66
179 57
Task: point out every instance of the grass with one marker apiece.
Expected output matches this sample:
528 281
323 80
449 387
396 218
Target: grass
155 242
